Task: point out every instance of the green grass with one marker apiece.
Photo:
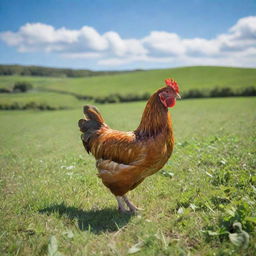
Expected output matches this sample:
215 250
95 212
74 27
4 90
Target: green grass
144 81
209 183
48 98
135 82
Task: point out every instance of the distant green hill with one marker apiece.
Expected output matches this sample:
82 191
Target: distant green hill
143 81
20 70
59 92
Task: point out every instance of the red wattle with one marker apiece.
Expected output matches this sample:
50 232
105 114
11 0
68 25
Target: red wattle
170 102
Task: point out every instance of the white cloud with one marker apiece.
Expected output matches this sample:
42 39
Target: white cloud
235 47
132 59
200 47
82 55
245 28
40 37
116 44
90 39
160 42
240 37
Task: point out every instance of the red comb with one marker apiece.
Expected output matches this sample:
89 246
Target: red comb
172 83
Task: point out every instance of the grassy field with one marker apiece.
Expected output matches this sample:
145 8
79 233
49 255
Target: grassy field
52 203
48 98
133 83
144 81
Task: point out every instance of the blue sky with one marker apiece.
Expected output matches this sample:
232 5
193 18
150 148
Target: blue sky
128 34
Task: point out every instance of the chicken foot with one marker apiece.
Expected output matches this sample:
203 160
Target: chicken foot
131 206
121 206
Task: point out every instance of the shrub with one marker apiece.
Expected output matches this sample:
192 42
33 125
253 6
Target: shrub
22 87
191 94
4 90
222 92
248 91
114 98
30 105
194 93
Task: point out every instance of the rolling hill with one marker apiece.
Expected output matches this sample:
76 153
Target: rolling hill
59 91
143 81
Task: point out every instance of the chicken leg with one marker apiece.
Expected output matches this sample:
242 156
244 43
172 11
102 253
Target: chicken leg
121 206
131 206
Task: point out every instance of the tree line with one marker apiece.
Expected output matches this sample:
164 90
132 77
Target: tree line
190 94
9 70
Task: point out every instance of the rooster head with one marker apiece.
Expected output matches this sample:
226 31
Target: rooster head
169 93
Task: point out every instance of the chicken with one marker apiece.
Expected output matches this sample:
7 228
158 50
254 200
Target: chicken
125 159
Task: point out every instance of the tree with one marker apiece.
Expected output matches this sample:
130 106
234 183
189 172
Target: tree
22 86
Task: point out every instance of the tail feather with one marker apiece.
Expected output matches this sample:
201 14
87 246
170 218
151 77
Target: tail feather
93 121
92 113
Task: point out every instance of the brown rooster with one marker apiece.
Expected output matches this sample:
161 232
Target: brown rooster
125 159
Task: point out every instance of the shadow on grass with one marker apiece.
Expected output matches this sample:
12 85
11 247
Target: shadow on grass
97 221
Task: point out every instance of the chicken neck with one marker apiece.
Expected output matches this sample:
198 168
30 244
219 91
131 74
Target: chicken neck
155 118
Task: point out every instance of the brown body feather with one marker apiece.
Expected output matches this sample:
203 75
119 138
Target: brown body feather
125 159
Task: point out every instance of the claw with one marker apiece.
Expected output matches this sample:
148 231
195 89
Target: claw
131 206
121 207
123 210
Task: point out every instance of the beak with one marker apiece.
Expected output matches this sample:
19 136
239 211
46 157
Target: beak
178 96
